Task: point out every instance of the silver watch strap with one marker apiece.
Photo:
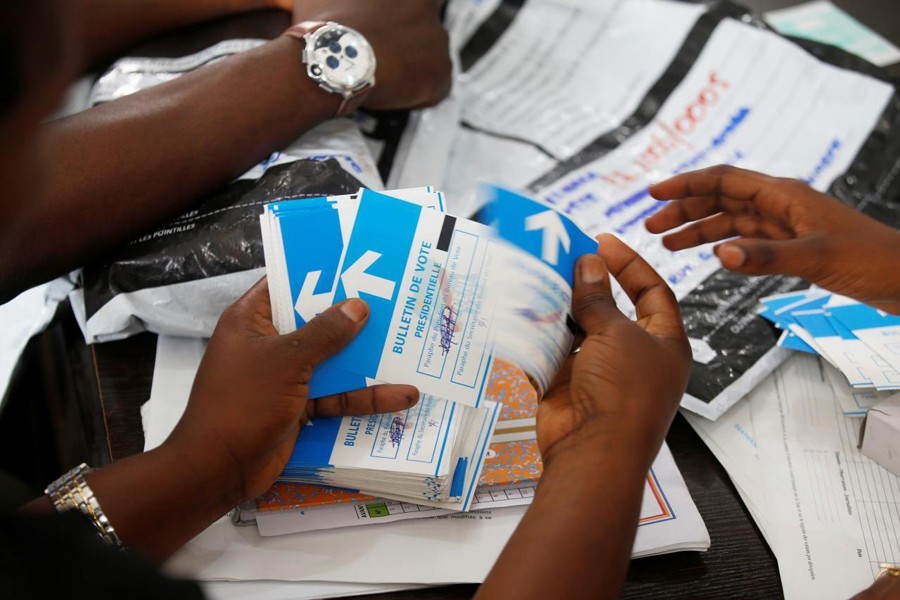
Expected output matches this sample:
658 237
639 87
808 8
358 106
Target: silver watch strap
71 492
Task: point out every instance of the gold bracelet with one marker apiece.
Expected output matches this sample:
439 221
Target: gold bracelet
889 570
71 492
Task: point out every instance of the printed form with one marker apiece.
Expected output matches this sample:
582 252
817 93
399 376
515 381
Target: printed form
731 108
509 136
830 514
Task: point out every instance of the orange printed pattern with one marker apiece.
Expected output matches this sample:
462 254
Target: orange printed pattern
288 496
511 462
509 386
665 511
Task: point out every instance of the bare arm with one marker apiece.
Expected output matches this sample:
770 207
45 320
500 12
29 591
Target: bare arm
129 164
599 428
109 27
223 450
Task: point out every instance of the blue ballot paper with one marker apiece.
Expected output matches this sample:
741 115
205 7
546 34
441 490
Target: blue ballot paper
858 340
771 310
446 295
429 454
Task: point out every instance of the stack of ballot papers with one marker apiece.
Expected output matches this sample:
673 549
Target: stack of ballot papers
512 467
448 298
860 341
446 295
431 453
327 555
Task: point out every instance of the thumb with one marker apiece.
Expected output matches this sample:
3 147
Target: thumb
328 333
593 305
767 257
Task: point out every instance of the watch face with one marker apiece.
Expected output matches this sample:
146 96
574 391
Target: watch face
341 58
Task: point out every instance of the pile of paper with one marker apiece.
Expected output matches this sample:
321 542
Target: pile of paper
863 343
829 513
325 553
508 478
431 453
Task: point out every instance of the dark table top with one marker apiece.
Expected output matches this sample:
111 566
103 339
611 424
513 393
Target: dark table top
738 564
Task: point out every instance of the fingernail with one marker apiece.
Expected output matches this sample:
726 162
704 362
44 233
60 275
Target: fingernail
355 309
412 395
591 269
734 256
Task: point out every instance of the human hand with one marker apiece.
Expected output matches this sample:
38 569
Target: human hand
250 395
886 587
411 46
782 226
623 386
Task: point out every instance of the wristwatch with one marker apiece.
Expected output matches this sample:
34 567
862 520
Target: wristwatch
338 58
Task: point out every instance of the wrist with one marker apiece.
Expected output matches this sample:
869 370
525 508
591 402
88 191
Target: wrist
598 447
211 476
311 96
336 58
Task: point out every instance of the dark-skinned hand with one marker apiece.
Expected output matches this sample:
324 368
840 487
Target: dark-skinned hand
781 226
251 394
625 383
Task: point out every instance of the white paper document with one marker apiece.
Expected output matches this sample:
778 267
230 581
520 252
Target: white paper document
473 540
20 319
830 514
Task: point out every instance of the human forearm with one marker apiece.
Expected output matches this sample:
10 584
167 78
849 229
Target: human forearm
575 540
159 500
599 427
109 27
126 165
118 169
223 451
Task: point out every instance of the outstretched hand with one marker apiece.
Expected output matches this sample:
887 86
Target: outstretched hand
251 394
781 226
625 383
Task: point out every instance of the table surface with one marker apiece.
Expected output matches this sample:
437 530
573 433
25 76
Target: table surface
738 564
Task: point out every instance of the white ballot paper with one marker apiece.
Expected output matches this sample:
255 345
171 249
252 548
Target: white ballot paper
879 331
470 542
859 340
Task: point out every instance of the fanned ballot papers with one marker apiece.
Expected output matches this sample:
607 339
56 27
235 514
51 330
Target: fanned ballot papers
858 340
447 297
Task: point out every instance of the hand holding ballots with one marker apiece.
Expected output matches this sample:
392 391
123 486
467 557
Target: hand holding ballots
447 298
